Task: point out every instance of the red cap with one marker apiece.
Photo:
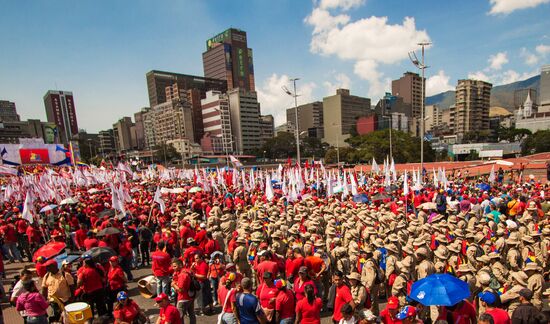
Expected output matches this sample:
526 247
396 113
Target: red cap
161 297
114 258
393 303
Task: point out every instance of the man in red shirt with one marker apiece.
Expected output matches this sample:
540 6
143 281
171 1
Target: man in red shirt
80 236
389 314
10 242
285 303
189 254
22 225
200 270
461 313
125 251
343 296
266 265
293 264
487 300
182 283
169 314
161 268
91 241
116 281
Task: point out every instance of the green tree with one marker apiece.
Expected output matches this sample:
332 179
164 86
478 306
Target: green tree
281 146
171 153
347 155
313 147
536 143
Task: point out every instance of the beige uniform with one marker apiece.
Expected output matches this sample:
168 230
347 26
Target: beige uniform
512 297
399 288
240 258
359 294
424 269
368 278
535 283
500 272
514 259
391 265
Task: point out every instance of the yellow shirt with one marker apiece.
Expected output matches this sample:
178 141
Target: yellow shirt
59 285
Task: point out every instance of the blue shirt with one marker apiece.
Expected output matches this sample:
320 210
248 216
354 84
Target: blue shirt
248 306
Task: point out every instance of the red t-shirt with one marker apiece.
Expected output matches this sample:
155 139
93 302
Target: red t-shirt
265 294
169 314
116 277
201 268
343 296
161 264
311 313
189 254
387 318
33 234
125 249
222 295
292 266
127 313
80 237
90 243
184 281
500 316
91 280
267 266
285 303
299 288
463 314
313 264
22 226
10 235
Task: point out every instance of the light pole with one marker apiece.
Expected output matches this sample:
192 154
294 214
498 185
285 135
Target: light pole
422 66
297 132
90 147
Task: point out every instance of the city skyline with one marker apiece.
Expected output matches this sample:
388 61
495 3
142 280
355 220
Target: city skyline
103 51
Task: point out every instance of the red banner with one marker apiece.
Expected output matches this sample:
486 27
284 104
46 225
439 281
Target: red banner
34 156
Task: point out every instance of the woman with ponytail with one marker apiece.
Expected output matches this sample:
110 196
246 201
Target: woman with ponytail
308 310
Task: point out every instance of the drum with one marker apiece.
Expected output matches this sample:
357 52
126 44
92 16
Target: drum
78 313
148 286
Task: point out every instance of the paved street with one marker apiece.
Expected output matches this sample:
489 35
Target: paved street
12 317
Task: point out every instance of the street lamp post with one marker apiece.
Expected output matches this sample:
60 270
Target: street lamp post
90 147
297 131
422 66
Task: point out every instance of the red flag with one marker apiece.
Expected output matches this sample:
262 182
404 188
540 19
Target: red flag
289 162
307 164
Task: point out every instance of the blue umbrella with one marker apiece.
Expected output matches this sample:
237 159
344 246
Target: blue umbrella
360 198
439 290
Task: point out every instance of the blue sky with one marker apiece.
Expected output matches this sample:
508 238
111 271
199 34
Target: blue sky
102 49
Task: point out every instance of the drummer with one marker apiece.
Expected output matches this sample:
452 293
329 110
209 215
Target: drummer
59 285
127 311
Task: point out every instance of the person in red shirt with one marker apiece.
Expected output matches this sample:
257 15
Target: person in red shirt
389 314
267 294
169 314
127 310
21 225
461 313
91 241
226 298
308 310
181 284
80 236
216 270
10 242
488 300
266 265
189 254
301 283
116 281
285 303
90 280
211 245
161 268
125 251
293 263
343 296
34 236
200 270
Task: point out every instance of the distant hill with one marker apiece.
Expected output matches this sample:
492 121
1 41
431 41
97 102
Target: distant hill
501 96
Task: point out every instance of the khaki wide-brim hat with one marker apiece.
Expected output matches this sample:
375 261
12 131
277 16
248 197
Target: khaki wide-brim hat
441 252
463 268
531 266
392 247
354 276
528 239
520 277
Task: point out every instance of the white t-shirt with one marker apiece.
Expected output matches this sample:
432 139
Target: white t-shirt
352 320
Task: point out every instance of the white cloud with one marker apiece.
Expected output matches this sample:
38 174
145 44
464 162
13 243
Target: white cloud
367 42
343 4
508 6
497 61
341 81
530 58
513 76
275 101
438 83
543 49
479 76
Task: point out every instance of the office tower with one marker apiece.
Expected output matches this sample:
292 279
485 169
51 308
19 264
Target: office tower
267 127
123 135
106 142
193 98
340 113
218 137
409 87
157 81
471 110
544 89
434 117
60 110
245 119
140 128
8 112
310 118
168 121
228 58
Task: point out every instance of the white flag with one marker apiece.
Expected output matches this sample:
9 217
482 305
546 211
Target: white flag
158 200
406 184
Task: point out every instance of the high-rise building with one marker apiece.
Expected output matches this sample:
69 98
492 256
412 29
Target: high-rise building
216 117
471 110
228 58
122 134
140 128
193 98
310 118
245 119
544 101
340 113
157 81
168 121
106 142
434 117
409 87
267 127
8 112
60 110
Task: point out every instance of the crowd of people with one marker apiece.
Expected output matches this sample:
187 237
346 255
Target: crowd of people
280 246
